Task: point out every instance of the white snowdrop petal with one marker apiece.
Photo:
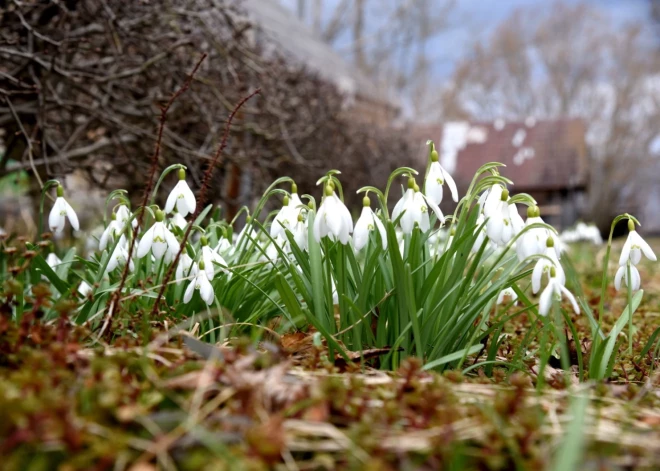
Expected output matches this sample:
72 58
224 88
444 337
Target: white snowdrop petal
545 302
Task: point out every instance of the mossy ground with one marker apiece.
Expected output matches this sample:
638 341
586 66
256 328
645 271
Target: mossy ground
69 401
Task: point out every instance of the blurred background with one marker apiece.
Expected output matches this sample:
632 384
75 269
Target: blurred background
566 94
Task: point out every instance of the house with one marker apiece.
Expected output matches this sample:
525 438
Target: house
280 31
546 158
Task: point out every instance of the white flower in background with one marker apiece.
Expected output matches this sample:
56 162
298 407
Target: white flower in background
300 233
178 221
158 240
210 257
635 281
557 290
246 237
367 222
181 196
185 268
582 232
545 266
435 178
503 220
224 247
295 201
413 208
533 241
284 219
119 256
333 219
271 252
84 289
113 230
123 215
634 247
490 200
60 212
200 282
507 293
481 236
53 260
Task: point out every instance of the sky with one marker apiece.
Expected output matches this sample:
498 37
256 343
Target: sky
472 20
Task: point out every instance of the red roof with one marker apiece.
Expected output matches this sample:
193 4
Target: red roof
539 155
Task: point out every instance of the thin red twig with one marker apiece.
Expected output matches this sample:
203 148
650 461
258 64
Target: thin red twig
113 302
201 199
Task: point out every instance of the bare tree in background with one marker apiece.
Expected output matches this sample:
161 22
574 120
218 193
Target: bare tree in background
571 63
387 39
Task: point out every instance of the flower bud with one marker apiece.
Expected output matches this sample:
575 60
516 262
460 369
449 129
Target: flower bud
285 201
631 225
366 201
182 174
60 191
550 242
204 241
416 188
160 216
201 265
411 183
533 212
294 187
505 195
329 189
434 156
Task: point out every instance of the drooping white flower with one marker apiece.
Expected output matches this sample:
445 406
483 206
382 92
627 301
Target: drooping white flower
119 256
113 230
84 289
557 290
185 268
300 233
123 215
481 233
178 221
53 260
200 282
413 208
533 241
285 218
367 222
61 211
634 247
210 257
435 178
181 196
635 281
224 247
333 219
503 220
490 200
545 266
158 240
507 292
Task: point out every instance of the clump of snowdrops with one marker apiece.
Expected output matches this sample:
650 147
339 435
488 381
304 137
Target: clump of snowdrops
413 281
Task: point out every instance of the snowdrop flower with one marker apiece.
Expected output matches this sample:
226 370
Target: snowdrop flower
224 247
436 177
634 247
60 212
300 233
123 215
111 232
158 240
284 219
181 196
510 293
413 208
533 241
481 236
186 267
178 221
490 200
333 219
504 221
367 222
295 201
119 256
209 257
557 290
200 282
53 260
84 289
545 266
622 274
